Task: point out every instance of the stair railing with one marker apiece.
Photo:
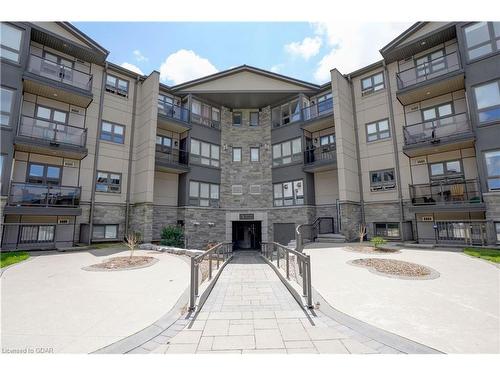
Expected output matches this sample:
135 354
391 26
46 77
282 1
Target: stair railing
314 230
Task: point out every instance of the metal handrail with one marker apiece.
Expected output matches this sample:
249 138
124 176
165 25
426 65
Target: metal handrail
222 252
434 130
315 228
43 195
52 131
173 111
320 153
274 250
172 155
317 110
440 192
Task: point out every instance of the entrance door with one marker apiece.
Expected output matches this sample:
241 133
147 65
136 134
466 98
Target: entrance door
247 235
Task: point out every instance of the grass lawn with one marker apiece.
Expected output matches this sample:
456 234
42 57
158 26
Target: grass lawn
6 259
489 254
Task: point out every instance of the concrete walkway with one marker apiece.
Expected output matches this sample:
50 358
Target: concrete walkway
251 311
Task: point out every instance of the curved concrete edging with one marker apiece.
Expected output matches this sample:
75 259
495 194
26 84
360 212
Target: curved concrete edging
2 270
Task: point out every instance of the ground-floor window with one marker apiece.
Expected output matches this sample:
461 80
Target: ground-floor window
203 194
105 231
390 230
37 233
289 193
497 228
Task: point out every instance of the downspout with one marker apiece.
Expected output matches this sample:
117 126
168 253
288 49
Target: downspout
358 158
396 153
96 155
129 173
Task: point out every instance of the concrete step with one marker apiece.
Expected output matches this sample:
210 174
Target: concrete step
330 237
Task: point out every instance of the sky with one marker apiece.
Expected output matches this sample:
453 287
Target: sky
182 51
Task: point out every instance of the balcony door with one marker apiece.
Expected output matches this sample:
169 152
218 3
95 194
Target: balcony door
50 123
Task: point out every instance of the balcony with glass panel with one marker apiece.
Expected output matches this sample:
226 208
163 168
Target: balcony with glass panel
58 79
319 115
51 138
172 116
205 114
321 156
451 132
433 75
171 160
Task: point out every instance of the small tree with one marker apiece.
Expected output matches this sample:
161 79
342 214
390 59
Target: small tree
172 236
362 232
377 241
131 240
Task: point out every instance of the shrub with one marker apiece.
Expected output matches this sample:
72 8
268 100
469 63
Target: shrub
172 236
377 241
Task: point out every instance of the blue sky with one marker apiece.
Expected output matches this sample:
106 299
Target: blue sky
184 51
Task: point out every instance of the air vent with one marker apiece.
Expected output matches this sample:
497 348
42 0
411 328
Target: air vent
70 163
62 221
255 189
427 218
237 189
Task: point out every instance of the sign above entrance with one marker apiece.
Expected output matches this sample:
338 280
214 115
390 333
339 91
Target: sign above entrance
246 216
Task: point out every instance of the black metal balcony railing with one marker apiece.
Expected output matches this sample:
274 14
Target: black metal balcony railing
26 194
51 131
446 192
441 129
60 73
320 154
428 70
170 155
198 119
173 111
317 110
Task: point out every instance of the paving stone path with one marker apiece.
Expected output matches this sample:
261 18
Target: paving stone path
251 311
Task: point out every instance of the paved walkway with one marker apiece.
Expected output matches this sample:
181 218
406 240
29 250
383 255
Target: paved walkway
251 311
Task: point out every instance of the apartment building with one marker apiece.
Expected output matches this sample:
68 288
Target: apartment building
409 145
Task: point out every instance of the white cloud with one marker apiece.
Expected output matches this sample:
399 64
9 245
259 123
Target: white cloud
353 45
276 68
185 65
132 67
306 49
139 56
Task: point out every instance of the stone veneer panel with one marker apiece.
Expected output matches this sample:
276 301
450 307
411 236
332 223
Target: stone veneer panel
163 216
141 220
492 201
203 226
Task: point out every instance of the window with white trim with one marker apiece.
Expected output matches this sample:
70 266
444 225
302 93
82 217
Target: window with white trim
105 231
254 154
37 234
10 42
108 182
203 194
254 118
287 152
482 38
236 154
382 180
450 168
205 153
378 130
488 102
237 189
492 159
6 104
289 193
372 83
116 85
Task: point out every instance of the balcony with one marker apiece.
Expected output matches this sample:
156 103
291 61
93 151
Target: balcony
318 116
206 121
447 195
45 137
37 199
430 79
171 160
445 134
47 78
173 117
320 158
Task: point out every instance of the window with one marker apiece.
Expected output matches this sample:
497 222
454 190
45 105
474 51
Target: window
446 169
289 193
37 233
255 189
287 152
237 189
6 101
166 104
372 83
325 103
431 63
286 113
482 38
377 130
437 112
50 114
390 230
205 114
382 180
44 174
10 42
116 85
236 118
497 230
105 231
488 101
163 141
254 118
254 154
203 194
108 182
205 153
493 169
2 157
327 140
112 132
237 154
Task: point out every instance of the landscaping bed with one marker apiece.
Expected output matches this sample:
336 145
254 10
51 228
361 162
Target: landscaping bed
123 263
366 249
492 255
396 268
9 258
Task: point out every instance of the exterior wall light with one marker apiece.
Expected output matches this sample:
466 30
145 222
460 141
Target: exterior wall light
210 224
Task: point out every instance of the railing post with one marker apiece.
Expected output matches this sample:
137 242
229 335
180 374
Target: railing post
192 292
288 265
210 266
196 273
304 276
309 282
278 256
218 256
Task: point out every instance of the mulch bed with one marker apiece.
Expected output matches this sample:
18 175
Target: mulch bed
370 250
122 263
396 268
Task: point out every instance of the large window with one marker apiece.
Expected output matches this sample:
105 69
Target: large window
105 231
390 230
493 169
203 194
116 85
10 42
488 102
254 154
327 140
51 114
451 168
437 112
237 154
482 38
289 193
6 101
377 130
431 63
205 114
164 141
108 182
112 132
287 152
382 180
205 153
44 174
286 113
37 233
372 83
